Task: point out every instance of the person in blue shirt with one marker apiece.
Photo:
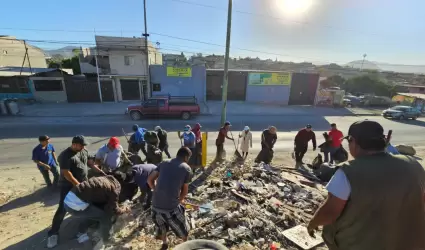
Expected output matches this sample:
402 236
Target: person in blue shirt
137 140
189 141
45 158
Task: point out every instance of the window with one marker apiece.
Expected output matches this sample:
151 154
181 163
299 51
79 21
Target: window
156 87
151 103
161 103
129 60
48 85
13 85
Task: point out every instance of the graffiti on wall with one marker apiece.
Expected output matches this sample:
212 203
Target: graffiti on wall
269 79
329 97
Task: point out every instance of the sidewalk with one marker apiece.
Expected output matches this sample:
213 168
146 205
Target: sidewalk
213 108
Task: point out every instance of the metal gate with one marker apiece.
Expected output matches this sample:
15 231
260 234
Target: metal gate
130 89
236 89
82 91
107 89
303 89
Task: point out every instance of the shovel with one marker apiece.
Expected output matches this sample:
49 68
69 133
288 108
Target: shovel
237 154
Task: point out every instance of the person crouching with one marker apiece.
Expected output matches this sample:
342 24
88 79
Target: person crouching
96 199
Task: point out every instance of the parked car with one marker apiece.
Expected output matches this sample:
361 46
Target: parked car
351 101
401 113
376 101
184 107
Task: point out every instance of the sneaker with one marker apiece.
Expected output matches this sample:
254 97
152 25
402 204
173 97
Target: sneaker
52 241
82 237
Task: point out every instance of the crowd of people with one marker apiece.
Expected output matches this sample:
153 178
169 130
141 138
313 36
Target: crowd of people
365 209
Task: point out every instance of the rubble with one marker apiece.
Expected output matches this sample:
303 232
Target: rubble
242 206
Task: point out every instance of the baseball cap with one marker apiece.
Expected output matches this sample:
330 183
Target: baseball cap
368 134
246 128
227 123
308 126
43 138
114 142
187 128
79 139
157 128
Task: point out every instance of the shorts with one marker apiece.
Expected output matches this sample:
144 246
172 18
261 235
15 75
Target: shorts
176 220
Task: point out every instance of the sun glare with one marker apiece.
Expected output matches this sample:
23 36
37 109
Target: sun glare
294 7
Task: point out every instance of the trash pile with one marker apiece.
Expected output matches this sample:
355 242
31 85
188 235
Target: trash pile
246 206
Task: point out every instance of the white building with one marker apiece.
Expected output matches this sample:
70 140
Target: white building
121 60
12 54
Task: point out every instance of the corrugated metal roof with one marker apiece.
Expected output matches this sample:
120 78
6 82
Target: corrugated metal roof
26 71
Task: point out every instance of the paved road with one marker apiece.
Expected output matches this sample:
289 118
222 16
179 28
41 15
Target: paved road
19 136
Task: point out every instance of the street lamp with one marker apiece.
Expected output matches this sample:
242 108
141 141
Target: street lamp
226 64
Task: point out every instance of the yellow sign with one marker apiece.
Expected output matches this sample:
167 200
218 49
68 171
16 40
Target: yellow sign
269 78
179 72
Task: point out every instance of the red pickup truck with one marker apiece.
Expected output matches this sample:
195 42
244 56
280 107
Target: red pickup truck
158 106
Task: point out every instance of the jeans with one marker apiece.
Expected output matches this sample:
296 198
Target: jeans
93 213
300 151
146 194
60 212
46 176
330 151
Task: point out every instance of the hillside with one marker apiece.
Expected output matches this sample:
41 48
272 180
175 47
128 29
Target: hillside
366 65
65 52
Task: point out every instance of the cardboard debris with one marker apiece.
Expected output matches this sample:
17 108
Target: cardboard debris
301 238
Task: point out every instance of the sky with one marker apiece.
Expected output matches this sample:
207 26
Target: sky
318 31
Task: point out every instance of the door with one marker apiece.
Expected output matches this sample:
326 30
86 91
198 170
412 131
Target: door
214 82
303 89
236 88
82 91
150 107
130 89
107 91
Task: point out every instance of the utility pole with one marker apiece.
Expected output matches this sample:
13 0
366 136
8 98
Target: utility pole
25 57
98 77
146 35
364 57
226 64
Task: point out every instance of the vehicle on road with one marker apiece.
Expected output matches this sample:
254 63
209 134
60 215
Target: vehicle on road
184 107
351 101
376 101
401 113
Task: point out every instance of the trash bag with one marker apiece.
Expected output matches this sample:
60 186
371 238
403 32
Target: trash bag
265 155
325 171
154 155
406 150
340 154
317 162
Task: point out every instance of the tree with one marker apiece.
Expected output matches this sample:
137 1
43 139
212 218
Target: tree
68 63
370 83
333 81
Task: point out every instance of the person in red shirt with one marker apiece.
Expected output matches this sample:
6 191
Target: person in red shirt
219 142
335 137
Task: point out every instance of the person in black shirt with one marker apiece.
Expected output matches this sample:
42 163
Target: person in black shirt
268 139
163 141
73 166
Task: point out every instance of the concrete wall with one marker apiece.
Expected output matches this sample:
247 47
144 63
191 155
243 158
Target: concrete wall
268 94
118 67
179 86
12 54
48 96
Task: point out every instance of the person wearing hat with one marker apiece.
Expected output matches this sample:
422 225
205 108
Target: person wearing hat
301 142
96 200
73 166
197 154
44 156
221 138
137 140
163 140
376 200
109 155
189 141
246 141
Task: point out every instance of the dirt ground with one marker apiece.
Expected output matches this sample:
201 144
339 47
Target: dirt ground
27 207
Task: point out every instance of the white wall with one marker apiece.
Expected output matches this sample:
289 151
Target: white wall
118 67
49 96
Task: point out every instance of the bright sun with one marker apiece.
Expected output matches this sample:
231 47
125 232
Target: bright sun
294 7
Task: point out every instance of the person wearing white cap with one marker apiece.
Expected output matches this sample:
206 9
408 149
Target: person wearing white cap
246 141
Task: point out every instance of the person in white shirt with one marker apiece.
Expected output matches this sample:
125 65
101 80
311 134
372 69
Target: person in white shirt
109 155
